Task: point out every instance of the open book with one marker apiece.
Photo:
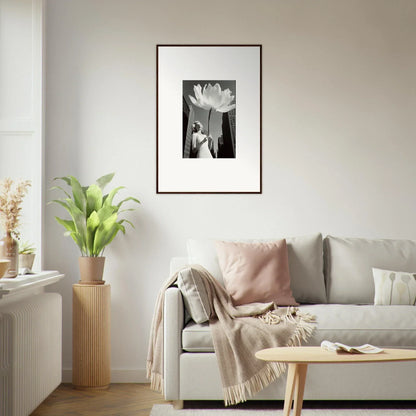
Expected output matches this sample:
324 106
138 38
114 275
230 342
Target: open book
338 347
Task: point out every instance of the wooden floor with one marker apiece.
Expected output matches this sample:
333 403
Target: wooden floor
118 400
138 399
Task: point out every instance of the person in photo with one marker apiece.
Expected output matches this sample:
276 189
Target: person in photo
200 141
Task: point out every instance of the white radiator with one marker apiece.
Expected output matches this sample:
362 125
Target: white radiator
30 352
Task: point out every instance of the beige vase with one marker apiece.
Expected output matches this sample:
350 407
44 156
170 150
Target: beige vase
91 270
4 266
9 250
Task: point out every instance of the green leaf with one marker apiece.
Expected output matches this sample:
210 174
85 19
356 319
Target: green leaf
94 199
80 222
61 189
121 227
104 233
75 236
63 203
127 210
64 178
130 198
78 194
104 180
105 212
109 199
68 224
93 222
71 230
117 228
128 222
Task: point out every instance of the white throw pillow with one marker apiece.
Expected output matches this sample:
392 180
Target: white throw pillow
305 264
195 297
394 288
203 252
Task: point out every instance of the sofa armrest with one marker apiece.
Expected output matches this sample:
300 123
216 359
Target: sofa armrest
172 335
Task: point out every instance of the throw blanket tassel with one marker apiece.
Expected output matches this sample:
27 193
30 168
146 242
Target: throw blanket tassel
156 380
241 392
304 329
272 371
305 323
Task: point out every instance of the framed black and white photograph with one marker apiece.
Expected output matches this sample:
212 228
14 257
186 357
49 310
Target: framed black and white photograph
208 119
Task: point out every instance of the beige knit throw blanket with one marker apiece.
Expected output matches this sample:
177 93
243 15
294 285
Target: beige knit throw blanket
237 332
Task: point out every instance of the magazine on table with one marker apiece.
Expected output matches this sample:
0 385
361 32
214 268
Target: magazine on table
362 349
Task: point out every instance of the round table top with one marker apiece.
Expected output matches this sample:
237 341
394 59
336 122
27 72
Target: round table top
315 355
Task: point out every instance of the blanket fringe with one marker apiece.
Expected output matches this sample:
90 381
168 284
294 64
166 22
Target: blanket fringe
240 392
156 379
305 325
304 321
270 318
304 330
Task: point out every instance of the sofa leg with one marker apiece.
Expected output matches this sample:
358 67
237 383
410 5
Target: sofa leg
178 404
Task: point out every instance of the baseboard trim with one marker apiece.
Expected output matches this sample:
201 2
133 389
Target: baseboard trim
117 375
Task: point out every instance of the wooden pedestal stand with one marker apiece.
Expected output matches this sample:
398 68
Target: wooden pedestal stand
91 336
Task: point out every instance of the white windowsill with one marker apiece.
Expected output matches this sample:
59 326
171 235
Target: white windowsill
28 281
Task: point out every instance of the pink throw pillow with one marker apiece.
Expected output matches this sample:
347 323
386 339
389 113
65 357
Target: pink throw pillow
256 272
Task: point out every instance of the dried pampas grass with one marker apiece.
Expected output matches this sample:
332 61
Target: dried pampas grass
11 198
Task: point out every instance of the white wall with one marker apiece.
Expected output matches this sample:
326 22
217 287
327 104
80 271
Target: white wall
339 123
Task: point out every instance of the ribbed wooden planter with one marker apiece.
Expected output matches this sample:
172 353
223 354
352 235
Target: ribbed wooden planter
91 344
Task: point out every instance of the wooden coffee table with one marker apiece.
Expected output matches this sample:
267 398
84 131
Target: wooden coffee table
298 359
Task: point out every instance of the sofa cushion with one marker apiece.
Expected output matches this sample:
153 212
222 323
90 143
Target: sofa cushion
392 326
349 263
305 264
256 272
306 267
197 338
195 297
394 288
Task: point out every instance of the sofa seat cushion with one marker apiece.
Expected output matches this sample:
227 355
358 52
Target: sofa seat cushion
388 326
197 338
392 326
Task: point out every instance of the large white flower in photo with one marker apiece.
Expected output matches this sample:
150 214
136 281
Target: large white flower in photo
212 98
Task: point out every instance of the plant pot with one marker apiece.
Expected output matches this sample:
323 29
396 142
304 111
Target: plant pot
26 261
91 270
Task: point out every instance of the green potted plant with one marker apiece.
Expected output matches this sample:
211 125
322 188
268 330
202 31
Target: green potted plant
94 221
26 255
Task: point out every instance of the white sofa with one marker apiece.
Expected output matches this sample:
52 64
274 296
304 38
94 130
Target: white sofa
332 279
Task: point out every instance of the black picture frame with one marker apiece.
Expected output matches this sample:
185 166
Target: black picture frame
221 85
